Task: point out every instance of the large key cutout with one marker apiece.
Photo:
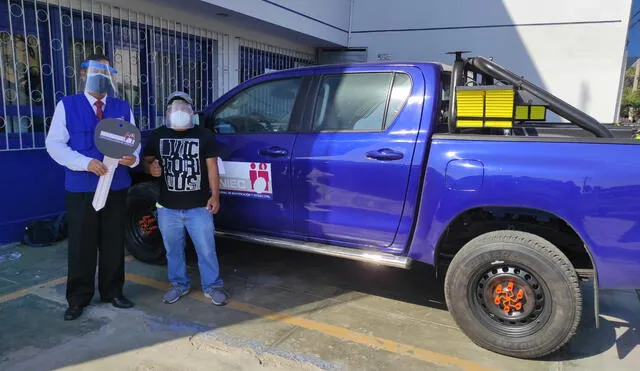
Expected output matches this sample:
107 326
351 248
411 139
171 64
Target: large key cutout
114 139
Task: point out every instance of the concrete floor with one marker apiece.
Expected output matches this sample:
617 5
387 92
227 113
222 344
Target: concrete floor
290 311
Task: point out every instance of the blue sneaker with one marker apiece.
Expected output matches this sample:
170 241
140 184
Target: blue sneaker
217 295
174 294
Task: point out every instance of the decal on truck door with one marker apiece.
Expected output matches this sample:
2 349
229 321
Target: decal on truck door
247 179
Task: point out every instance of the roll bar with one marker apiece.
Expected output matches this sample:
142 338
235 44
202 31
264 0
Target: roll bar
493 70
457 79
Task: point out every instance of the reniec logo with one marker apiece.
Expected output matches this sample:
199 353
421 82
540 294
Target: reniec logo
259 178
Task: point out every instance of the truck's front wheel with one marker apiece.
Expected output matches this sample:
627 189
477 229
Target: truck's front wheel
514 293
142 237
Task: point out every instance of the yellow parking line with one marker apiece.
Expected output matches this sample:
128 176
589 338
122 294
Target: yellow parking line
26 291
324 328
331 330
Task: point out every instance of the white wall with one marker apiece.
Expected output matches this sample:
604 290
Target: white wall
334 12
196 14
580 63
574 49
188 14
324 19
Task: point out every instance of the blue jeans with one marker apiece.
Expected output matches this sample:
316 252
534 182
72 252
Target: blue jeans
199 224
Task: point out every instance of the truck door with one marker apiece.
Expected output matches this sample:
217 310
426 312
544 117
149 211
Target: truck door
255 132
352 166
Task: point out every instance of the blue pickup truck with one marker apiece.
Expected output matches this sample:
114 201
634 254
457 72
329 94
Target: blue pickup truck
394 163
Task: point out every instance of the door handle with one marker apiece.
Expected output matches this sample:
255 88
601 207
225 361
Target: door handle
273 152
385 154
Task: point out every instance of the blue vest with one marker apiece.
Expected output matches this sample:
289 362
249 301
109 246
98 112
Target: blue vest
81 123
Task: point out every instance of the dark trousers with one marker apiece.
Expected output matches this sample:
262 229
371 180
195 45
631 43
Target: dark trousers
95 235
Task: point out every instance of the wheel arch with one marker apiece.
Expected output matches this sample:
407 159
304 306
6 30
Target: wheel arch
527 219
515 293
142 237
584 262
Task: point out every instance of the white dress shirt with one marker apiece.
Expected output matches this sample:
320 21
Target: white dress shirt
58 137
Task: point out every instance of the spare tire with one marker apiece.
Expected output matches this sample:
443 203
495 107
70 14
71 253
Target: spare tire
142 236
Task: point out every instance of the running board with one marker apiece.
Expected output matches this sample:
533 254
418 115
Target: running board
367 256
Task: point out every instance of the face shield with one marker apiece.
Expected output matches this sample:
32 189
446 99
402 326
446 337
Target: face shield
179 115
99 78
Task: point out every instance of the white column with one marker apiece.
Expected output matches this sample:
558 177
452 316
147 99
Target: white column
233 62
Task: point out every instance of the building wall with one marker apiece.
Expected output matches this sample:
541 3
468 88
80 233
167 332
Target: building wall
157 46
197 14
326 20
35 192
575 49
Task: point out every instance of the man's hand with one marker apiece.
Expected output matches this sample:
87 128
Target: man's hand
155 169
127 160
213 205
97 167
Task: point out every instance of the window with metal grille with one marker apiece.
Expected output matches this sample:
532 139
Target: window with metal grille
256 59
43 43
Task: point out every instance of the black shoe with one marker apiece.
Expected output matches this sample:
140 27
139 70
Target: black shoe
73 312
120 302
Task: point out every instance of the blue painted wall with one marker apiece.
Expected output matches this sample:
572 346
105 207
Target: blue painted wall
32 187
31 183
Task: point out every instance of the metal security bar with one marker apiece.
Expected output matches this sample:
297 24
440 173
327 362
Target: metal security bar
256 58
42 44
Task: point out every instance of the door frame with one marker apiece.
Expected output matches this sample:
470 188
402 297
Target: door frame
420 75
295 124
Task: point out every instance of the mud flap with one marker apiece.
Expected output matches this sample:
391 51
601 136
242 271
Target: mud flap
596 299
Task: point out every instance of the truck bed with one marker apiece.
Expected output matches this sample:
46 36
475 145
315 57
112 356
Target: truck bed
592 184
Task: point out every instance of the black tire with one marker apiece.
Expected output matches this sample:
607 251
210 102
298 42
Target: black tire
537 324
144 242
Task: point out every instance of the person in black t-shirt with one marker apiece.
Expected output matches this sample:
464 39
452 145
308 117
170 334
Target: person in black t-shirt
184 159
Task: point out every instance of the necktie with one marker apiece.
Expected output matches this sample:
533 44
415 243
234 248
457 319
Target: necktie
99 105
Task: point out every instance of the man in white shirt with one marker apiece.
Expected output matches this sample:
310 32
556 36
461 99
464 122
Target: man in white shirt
70 143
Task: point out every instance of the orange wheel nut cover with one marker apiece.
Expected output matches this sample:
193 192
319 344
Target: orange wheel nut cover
147 225
507 299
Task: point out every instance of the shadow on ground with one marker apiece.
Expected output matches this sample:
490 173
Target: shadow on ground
418 287
405 306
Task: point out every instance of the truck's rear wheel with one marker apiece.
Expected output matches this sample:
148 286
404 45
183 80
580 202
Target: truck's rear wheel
142 236
514 293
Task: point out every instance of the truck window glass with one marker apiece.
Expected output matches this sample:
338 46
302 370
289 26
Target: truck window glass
399 94
352 102
265 107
